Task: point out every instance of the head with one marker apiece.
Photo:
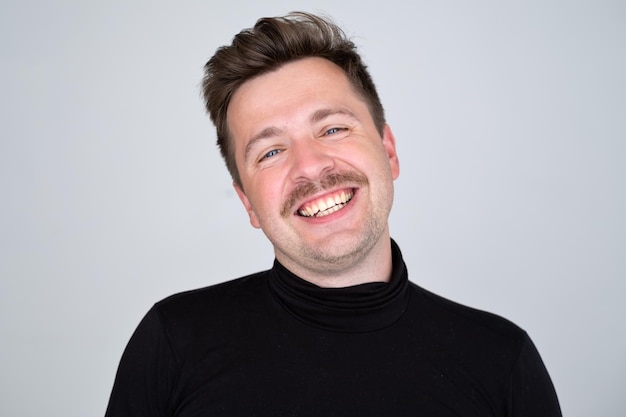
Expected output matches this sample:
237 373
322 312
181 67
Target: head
302 131
270 44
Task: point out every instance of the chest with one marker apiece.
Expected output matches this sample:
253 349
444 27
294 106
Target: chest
299 371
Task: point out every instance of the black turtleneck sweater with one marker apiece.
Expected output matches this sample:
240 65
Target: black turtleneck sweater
272 344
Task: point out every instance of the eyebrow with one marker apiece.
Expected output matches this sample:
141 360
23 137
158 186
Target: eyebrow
321 114
266 133
273 131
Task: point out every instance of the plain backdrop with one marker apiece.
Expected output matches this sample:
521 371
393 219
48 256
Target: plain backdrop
510 118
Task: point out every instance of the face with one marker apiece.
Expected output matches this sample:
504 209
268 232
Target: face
316 175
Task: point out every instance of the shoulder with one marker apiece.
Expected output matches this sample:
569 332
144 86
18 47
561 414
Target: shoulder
213 302
232 288
454 324
496 353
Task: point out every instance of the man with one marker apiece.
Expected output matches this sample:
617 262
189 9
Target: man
335 328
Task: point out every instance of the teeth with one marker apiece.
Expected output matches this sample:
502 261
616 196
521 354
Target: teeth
329 211
323 208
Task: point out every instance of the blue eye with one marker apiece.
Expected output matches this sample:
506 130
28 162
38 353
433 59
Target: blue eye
333 130
271 153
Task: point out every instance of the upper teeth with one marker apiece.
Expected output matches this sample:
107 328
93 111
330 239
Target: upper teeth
326 206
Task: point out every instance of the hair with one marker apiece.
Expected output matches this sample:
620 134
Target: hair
271 43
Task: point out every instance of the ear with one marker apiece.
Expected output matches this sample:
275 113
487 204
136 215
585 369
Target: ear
389 143
254 221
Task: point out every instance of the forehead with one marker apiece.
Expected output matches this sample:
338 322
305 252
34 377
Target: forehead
293 89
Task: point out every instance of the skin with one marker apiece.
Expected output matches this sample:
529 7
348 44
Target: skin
302 135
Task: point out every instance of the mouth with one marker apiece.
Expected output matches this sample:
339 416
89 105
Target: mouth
328 204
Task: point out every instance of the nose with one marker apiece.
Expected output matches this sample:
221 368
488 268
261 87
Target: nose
309 159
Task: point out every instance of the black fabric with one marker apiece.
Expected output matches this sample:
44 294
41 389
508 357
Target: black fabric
272 344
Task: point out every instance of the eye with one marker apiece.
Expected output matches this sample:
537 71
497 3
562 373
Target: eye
334 130
271 153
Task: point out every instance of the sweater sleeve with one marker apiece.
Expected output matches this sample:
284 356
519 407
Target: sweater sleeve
146 373
531 392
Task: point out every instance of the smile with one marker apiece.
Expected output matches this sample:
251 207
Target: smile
326 205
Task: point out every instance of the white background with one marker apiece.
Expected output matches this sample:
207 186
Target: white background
510 119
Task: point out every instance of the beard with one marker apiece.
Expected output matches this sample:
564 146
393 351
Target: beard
337 257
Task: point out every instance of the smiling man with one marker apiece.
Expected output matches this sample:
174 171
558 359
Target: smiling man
335 328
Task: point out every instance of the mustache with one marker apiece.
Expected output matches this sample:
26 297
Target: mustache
327 182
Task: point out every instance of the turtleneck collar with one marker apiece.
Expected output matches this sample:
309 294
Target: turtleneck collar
359 308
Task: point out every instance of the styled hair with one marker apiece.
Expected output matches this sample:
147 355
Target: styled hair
271 43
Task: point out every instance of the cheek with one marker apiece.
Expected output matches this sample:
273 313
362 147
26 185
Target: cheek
267 193
367 158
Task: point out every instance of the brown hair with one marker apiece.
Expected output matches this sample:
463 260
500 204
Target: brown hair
271 43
